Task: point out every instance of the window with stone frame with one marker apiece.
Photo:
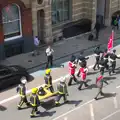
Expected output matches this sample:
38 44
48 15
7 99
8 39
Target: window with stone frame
60 11
11 19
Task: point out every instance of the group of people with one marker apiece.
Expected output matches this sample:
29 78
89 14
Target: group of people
34 101
103 58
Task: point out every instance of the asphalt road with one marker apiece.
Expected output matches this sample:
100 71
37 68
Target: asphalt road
81 103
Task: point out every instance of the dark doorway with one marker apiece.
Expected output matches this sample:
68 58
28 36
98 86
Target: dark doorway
100 13
41 20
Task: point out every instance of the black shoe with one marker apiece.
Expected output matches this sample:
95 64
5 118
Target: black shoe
79 89
38 112
69 84
94 69
96 98
19 108
86 85
66 101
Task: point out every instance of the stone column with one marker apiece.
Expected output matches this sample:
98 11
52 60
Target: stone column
34 18
94 10
48 23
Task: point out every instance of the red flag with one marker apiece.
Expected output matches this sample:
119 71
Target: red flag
110 42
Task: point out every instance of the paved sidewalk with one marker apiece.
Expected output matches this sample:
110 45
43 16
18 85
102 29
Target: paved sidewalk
63 49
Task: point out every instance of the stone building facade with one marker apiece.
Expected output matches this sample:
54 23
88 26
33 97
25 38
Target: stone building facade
45 19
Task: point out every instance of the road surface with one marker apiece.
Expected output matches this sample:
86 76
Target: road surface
81 104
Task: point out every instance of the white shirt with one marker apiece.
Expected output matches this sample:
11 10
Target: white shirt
49 51
36 41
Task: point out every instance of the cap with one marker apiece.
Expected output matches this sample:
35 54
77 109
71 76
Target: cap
114 50
23 81
34 90
48 71
62 79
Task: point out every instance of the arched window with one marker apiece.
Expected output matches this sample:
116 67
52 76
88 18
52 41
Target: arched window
11 19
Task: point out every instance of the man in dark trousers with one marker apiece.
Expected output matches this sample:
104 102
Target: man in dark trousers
82 60
62 91
34 101
21 89
113 58
99 83
97 28
49 53
102 68
72 68
48 80
105 56
83 74
97 52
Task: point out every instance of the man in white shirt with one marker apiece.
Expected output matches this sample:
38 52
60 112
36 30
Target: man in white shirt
36 43
49 53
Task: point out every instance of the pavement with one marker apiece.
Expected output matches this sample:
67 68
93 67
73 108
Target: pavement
81 104
63 50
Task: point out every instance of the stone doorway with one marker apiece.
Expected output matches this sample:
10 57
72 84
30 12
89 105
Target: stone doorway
40 23
101 11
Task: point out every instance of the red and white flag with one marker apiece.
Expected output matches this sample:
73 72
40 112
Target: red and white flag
110 42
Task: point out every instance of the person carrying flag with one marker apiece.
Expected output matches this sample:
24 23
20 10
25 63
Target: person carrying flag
99 83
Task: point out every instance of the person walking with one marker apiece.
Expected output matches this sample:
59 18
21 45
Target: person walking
112 59
35 102
83 74
48 80
97 52
21 89
62 91
49 54
97 28
72 67
36 44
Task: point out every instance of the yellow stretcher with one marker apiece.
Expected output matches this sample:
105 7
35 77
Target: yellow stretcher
47 95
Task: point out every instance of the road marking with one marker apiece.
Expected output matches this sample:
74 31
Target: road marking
92 112
118 87
111 115
28 91
65 118
115 102
73 109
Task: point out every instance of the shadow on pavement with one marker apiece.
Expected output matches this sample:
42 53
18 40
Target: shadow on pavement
45 113
74 102
107 95
2 108
109 78
92 73
92 86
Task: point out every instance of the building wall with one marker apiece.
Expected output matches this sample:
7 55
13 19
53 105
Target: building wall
26 21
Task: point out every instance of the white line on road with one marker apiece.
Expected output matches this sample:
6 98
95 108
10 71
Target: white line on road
65 118
115 102
111 115
73 109
92 112
118 87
